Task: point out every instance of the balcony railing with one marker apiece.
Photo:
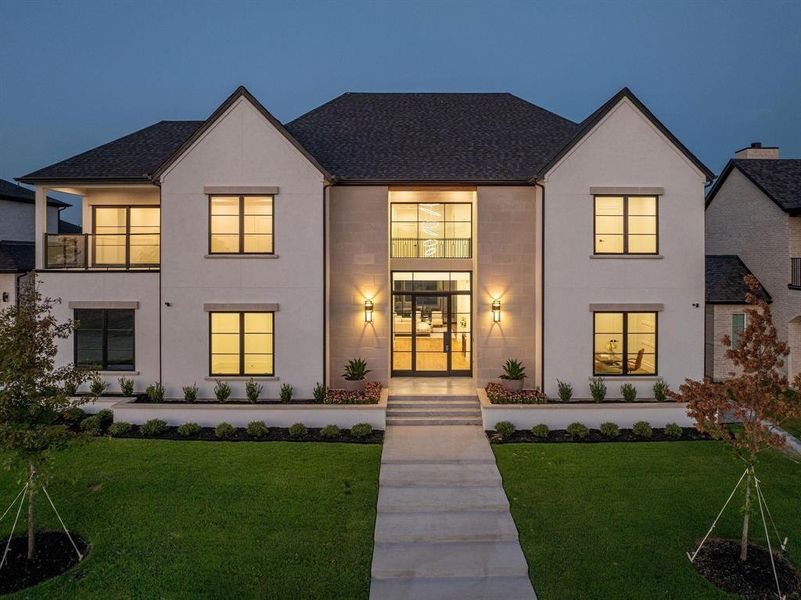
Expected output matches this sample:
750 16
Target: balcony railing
102 252
795 273
431 248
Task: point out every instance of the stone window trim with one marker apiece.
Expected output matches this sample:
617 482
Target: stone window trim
626 307
104 304
240 190
240 307
627 191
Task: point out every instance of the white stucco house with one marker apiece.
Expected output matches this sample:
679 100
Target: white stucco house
431 234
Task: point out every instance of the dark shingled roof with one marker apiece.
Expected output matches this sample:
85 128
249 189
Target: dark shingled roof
17 193
779 179
725 283
431 137
16 257
67 227
132 157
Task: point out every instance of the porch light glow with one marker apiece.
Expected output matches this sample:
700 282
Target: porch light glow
496 311
368 311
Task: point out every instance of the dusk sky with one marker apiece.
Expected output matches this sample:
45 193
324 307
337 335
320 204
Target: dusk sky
73 75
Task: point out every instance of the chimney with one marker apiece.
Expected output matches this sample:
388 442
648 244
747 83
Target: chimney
755 150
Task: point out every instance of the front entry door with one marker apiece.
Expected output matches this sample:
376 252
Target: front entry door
431 333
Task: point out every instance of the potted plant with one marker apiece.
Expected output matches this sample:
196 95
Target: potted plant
355 373
513 375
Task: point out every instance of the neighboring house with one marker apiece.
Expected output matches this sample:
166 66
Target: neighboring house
726 306
432 234
754 211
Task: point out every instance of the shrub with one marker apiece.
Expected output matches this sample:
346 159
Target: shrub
498 394
661 390
126 386
319 392
540 431
224 431
513 370
188 429
97 386
286 392
597 389
155 392
190 392
257 429
73 415
106 417
578 431
361 430
70 388
222 391
253 390
153 427
610 430
119 428
298 430
330 431
629 392
505 429
356 370
673 430
642 429
565 390
92 425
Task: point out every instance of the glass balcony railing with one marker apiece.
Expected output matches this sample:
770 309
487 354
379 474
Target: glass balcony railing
103 252
431 248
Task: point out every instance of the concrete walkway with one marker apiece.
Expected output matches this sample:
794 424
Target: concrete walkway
443 529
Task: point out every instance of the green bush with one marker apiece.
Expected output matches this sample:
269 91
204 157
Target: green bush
106 417
97 386
253 390
73 415
540 431
190 392
319 392
119 428
610 430
188 429
598 389
513 370
361 430
642 429
153 427
578 431
92 425
222 391
661 390
565 390
356 370
70 388
673 430
298 430
155 392
505 429
224 431
126 386
257 430
286 392
629 392
330 431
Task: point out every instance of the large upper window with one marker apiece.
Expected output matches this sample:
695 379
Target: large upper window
626 225
241 225
104 339
431 223
624 343
241 343
126 236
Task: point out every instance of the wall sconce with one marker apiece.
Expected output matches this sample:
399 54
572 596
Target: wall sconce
496 311
368 311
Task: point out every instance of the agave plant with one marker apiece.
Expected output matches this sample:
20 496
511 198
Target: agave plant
356 370
513 370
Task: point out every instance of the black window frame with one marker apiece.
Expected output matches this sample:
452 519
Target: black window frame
625 343
127 265
241 234
104 366
625 224
241 372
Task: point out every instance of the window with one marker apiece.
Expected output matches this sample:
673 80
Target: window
241 225
738 324
626 225
126 236
241 343
432 229
624 343
104 339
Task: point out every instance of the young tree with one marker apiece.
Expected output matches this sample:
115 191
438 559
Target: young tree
33 392
758 395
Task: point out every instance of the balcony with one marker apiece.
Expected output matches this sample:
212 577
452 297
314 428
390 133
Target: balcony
102 252
795 273
431 248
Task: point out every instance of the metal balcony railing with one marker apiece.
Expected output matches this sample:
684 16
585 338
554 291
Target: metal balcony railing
431 248
103 252
795 273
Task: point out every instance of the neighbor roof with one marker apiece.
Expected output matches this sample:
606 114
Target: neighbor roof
725 282
16 193
778 178
16 257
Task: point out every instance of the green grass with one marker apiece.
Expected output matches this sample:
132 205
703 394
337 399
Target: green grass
615 520
793 427
216 520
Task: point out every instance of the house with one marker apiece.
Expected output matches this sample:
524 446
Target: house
431 234
753 211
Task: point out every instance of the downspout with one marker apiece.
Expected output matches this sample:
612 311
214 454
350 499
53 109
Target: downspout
326 185
538 184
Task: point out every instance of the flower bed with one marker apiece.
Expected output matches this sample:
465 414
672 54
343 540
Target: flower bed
498 394
371 394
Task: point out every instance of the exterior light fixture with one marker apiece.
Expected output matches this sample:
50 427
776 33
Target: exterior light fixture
496 311
368 311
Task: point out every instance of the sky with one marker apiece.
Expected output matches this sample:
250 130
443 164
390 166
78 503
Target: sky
74 75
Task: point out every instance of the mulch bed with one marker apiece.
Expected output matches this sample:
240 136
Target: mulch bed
719 562
54 556
626 435
275 434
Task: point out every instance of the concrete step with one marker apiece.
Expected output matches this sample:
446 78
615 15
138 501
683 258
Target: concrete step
468 588
441 527
433 412
405 398
442 499
438 474
409 421
470 559
432 404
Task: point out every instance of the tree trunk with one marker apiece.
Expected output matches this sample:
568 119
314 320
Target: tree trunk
31 514
746 516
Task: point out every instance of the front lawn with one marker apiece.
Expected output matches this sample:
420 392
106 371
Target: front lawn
793 427
615 520
214 520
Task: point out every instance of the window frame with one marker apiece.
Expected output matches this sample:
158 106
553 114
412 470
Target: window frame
417 222
241 372
735 336
241 233
127 265
104 366
625 343
625 251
